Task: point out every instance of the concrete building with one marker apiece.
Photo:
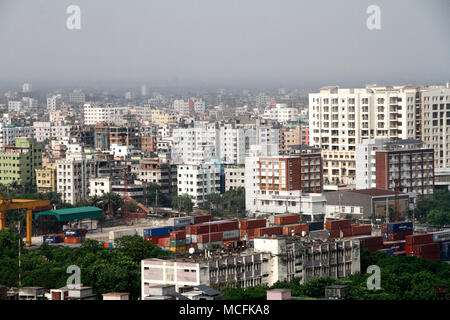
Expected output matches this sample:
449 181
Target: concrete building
442 179
99 186
46 178
19 162
27 88
368 204
380 163
271 260
276 184
108 113
198 180
8 134
161 118
155 171
124 136
340 119
294 137
77 97
234 177
50 130
183 107
54 103
281 113
73 174
116 295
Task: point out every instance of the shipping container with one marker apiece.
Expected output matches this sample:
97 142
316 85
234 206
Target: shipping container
202 219
164 242
338 224
374 248
316 225
175 235
210 237
248 233
394 236
389 252
154 239
399 226
178 243
359 229
336 233
295 229
253 223
394 245
72 232
181 249
445 248
202 246
72 240
121 233
441 236
267 231
157 231
181 221
370 241
283 219
201 228
231 234
417 239
227 225
53 238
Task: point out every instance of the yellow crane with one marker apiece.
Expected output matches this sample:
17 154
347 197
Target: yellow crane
29 205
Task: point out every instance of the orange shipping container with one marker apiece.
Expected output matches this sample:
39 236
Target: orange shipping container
297 229
164 242
287 219
361 229
210 237
176 235
72 240
338 224
253 223
267 231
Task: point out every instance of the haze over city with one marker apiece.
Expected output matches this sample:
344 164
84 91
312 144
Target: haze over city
203 44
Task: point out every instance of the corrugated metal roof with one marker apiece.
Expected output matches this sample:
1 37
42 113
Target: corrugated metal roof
72 213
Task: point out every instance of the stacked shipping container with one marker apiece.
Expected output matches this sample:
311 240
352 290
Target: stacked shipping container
396 230
248 227
335 227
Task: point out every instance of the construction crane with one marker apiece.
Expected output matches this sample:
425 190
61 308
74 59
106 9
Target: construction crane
29 205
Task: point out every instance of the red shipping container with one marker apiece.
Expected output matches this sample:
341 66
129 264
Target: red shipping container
287 219
419 239
374 248
210 237
176 235
164 242
254 223
394 236
297 229
384 227
338 224
267 231
154 239
394 245
429 248
202 219
336 233
250 233
72 240
83 232
202 228
371 241
227 226
358 229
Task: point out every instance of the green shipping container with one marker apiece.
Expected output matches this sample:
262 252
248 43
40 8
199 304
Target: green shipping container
178 243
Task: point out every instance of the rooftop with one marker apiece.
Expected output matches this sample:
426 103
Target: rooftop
375 192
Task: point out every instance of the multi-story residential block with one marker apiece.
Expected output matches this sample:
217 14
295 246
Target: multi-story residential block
182 107
73 174
101 136
281 113
271 260
341 118
294 137
46 178
83 135
27 87
54 103
124 136
19 162
234 177
284 183
99 186
77 97
155 171
8 134
95 113
198 180
161 118
50 130
380 163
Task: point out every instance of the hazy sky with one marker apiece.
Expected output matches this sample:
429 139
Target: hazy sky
245 43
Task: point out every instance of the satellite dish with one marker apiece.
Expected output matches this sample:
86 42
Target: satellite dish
191 250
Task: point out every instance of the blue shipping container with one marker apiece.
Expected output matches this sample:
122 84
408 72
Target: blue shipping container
384 235
445 248
313 226
389 252
51 239
72 232
157 231
399 226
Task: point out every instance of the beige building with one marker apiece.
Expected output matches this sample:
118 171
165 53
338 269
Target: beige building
234 177
46 178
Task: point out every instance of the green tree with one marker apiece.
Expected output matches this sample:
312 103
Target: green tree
154 189
111 202
183 203
439 217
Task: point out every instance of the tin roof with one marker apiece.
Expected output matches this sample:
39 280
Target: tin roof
374 192
72 213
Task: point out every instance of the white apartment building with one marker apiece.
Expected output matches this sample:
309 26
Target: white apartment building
94 114
27 87
73 175
99 186
281 113
50 130
339 119
54 103
198 180
8 134
181 107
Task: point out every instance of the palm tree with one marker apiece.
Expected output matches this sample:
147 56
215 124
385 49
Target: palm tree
111 201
